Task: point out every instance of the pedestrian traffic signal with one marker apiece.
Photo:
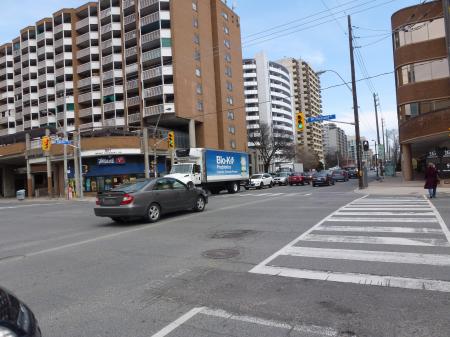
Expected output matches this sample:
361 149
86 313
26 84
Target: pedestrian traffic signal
171 139
46 143
300 121
366 145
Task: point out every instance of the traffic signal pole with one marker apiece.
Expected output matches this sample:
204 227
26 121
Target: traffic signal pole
355 105
49 169
378 131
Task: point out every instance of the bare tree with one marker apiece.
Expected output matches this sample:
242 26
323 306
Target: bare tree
270 148
310 159
332 160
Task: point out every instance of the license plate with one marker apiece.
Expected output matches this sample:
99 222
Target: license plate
110 201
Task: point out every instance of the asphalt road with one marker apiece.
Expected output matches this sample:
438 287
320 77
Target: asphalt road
258 263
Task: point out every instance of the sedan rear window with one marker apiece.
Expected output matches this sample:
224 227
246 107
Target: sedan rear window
256 176
131 187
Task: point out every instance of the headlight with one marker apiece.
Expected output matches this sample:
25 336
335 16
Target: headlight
4 332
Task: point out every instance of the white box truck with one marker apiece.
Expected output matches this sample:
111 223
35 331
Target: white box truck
213 170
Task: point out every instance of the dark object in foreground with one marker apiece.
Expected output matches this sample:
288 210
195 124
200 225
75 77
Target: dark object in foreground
322 178
16 319
149 199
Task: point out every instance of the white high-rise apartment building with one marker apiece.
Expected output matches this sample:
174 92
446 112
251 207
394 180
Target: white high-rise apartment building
268 96
307 99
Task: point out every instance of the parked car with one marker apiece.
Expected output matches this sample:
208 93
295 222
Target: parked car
352 172
149 199
296 179
258 181
340 175
16 319
281 178
322 178
308 176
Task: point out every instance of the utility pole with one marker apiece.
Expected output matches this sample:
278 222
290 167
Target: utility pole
146 159
387 144
355 105
384 140
378 130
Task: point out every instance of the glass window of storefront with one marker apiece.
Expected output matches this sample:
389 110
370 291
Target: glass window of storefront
419 32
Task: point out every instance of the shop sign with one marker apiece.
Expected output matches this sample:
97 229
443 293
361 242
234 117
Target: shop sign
111 161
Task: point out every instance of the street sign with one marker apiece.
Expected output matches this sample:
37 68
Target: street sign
62 142
381 151
320 118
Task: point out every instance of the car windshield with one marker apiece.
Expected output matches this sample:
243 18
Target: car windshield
322 174
256 176
131 187
181 168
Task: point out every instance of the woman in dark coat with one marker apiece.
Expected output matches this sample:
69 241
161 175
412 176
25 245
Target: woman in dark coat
431 180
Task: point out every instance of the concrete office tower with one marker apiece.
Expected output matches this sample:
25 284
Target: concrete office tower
127 64
334 140
268 96
422 87
307 99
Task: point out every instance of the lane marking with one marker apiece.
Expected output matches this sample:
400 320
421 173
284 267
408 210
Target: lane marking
310 329
376 229
372 256
293 242
344 212
377 240
362 279
140 228
30 205
420 220
222 314
175 324
440 220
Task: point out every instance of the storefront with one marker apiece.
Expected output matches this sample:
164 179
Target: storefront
106 172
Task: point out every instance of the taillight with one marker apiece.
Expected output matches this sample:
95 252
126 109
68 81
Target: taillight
127 199
97 201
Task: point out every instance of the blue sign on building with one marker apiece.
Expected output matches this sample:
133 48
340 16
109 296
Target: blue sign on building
320 118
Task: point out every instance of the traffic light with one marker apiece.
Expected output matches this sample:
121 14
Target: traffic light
171 139
300 121
366 145
46 143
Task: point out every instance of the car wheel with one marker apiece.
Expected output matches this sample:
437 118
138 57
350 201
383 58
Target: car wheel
118 219
200 204
153 213
314 185
260 186
233 188
246 188
303 184
270 185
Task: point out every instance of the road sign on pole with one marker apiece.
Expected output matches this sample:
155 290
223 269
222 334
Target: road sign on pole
381 151
62 142
320 118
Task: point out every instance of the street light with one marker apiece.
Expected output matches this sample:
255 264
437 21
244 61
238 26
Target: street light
320 72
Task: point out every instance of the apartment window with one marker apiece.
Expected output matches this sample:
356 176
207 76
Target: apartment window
199 89
196 38
418 32
233 144
423 71
198 72
227 57
228 71
194 5
224 15
230 115
231 130
197 55
195 23
230 100
199 105
229 86
226 30
166 42
227 43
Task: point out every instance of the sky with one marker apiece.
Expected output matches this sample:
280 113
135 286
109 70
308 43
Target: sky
314 30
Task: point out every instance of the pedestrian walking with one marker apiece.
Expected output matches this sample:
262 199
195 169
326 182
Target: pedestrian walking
431 180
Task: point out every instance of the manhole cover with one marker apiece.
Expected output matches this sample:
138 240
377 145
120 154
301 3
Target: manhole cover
220 253
232 234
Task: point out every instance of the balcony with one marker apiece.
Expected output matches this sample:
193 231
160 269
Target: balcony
109 11
148 3
151 18
63 56
90 111
90 20
87 97
45 50
127 4
131 52
111 58
118 121
30 96
111 74
108 107
157 72
29 56
87 52
151 55
133 84
47 106
115 89
134 118
130 35
86 37
92 125
150 37
18 103
67 41
46 77
110 27
112 42
134 101
63 26
7 119
46 91
94 80
45 64
64 85
158 91
88 67
45 36
159 109
133 68
64 71
45 120
29 110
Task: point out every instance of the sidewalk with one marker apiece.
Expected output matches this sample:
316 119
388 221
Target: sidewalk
397 186
43 200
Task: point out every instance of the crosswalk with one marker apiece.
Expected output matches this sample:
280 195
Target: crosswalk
380 241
